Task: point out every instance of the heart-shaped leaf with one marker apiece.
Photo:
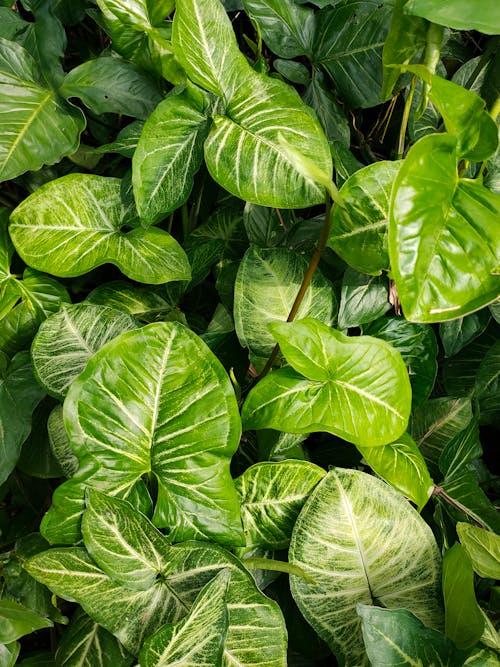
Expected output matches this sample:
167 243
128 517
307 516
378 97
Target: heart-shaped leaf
73 224
444 238
32 115
356 388
170 411
347 538
66 341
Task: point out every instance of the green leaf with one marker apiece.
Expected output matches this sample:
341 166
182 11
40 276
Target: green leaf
464 115
66 341
483 549
271 497
133 615
17 621
464 621
112 85
266 286
456 334
141 14
200 637
359 231
170 411
143 302
263 226
417 345
286 28
329 112
402 465
464 489
444 240
363 298
244 150
73 224
460 450
292 70
9 654
37 459
356 388
59 443
482 657
348 46
19 395
483 15
87 644
488 385
169 153
345 538
126 140
31 115
397 638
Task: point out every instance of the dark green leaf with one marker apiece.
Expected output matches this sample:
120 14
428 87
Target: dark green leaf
488 385
36 457
17 621
330 113
464 489
292 70
463 448
363 298
264 227
456 334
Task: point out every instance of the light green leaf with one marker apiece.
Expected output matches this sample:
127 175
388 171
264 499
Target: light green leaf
244 149
143 302
31 115
87 644
464 621
19 395
59 443
198 640
112 85
356 388
464 115
482 15
73 224
348 46
133 615
66 341
482 657
271 497
363 298
171 412
402 465
488 385
169 153
345 538
483 549
266 286
417 345
456 334
17 621
287 29
141 14
397 638
463 487
359 229
444 239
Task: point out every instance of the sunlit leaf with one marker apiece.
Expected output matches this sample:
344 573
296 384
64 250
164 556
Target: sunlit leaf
482 547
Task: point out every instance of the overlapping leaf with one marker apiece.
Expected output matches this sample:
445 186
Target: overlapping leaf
483 15
154 401
73 224
362 543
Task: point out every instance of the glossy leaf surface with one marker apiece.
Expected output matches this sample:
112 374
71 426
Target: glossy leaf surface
363 298
444 240
345 538
483 15
356 388
168 154
483 549
271 497
359 231
17 621
66 341
37 127
73 224
456 334
169 410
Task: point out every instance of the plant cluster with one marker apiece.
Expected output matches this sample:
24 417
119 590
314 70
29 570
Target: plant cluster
247 412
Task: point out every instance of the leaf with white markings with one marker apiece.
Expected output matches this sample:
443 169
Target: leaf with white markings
346 538
169 409
356 388
73 224
271 496
66 341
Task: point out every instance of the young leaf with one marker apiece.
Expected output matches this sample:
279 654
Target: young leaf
271 497
73 224
66 341
397 638
483 549
356 388
17 621
444 240
402 465
345 538
31 115
363 298
359 229
200 637
170 411
168 154
483 15
464 622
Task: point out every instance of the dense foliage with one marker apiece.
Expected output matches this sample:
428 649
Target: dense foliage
248 413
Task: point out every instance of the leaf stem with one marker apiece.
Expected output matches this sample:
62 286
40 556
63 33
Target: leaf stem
439 492
276 566
325 231
405 118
